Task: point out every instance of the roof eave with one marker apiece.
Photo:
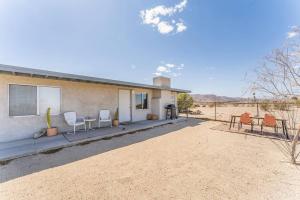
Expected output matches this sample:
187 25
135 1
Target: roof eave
21 71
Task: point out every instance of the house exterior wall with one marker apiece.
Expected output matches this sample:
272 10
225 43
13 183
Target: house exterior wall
84 98
160 100
141 114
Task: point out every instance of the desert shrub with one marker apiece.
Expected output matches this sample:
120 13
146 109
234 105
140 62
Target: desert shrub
211 105
265 106
297 103
184 101
220 104
282 106
196 105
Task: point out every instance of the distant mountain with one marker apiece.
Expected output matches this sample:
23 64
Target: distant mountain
215 98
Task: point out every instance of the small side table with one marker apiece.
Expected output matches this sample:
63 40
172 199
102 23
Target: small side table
89 121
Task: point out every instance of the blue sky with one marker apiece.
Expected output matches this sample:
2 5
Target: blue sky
218 43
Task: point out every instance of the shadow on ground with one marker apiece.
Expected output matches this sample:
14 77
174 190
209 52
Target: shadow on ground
269 133
278 139
31 164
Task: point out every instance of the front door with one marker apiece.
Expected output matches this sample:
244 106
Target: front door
124 106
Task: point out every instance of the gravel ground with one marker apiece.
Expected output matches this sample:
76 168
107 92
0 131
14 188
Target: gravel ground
183 161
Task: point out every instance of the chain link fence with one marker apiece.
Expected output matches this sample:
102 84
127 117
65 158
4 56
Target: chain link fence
222 111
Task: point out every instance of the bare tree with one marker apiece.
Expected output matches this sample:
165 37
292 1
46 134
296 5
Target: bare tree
278 78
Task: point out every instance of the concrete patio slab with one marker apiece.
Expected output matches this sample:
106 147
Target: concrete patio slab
21 148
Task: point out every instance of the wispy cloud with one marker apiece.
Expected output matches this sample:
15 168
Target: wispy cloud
161 17
169 70
294 32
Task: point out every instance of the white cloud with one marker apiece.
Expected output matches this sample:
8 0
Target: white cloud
153 17
181 5
157 74
164 27
169 70
180 67
162 69
294 32
170 65
176 74
180 27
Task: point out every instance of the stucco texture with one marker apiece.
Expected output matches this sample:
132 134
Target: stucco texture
84 98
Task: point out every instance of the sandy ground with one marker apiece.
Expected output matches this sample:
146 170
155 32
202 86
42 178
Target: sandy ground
177 162
224 112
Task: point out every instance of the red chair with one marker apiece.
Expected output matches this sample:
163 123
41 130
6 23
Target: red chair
269 121
247 120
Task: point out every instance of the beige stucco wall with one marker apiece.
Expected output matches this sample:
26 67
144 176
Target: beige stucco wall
84 98
162 98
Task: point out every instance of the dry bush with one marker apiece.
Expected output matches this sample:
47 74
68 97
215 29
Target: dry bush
265 106
211 105
278 78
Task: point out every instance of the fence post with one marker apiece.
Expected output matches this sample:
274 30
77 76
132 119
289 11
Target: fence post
215 111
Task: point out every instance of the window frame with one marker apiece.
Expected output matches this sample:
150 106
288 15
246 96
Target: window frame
142 98
37 96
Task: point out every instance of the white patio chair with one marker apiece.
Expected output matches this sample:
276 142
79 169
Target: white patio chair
104 116
74 121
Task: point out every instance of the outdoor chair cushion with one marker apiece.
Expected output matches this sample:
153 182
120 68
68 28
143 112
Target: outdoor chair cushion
269 120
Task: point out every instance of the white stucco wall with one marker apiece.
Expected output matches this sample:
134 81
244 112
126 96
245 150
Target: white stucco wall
84 98
141 114
161 99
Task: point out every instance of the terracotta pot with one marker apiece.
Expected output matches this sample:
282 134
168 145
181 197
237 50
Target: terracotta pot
149 116
116 122
154 117
52 131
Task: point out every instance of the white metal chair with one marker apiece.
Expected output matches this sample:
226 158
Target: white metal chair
104 116
74 121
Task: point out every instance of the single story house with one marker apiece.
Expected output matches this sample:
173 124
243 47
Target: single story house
25 95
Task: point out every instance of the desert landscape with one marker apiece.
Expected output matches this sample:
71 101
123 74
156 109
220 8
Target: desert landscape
188 160
223 111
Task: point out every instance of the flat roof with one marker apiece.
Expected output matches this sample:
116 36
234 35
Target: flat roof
23 71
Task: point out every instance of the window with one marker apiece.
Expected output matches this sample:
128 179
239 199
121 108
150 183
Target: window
145 101
25 100
22 100
49 97
141 101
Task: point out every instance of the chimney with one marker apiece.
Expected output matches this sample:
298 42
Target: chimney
162 81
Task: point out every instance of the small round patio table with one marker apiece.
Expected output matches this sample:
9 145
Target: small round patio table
89 121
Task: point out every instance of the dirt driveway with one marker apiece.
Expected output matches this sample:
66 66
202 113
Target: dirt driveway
183 161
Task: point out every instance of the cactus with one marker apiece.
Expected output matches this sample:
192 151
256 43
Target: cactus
116 117
48 118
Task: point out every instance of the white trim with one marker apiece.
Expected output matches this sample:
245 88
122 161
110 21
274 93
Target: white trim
38 100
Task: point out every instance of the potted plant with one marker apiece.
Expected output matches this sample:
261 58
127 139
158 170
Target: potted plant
116 118
51 131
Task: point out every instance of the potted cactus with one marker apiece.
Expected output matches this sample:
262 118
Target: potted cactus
51 131
116 118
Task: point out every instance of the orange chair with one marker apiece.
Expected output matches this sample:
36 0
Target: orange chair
269 121
247 120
